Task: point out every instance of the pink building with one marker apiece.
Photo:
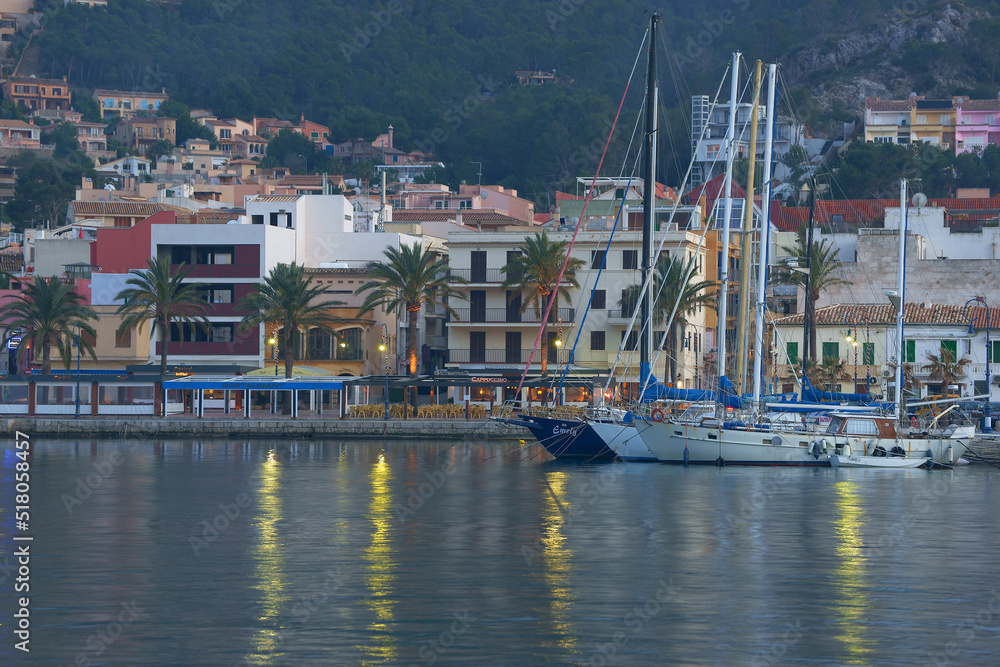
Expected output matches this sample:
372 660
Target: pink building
485 198
977 124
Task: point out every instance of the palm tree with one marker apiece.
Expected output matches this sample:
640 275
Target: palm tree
158 295
945 368
408 279
533 274
286 299
832 369
672 283
823 266
47 310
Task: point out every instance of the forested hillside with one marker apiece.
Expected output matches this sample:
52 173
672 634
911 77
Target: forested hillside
442 71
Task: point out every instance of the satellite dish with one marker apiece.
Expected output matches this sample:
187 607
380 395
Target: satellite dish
574 220
919 200
109 186
484 193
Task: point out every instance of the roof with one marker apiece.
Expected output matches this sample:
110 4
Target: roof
878 104
36 80
914 313
868 211
18 123
125 93
11 262
714 189
276 198
122 208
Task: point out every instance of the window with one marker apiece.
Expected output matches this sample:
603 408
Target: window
629 341
831 350
909 351
597 258
57 91
792 352
993 352
156 104
109 103
945 119
144 104
598 301
222 333
221 295
257 219
477 347
314 135
88 338
630 259
952 347
837 217
123 222
860 427
868 353
439 204
921 120
629 302
465 203
124 339
127 105
596 340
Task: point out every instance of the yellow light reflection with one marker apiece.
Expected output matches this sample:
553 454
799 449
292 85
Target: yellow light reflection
269 565
851 582
558 559
380 568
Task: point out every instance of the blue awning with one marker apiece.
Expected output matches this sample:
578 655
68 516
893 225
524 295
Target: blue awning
243 383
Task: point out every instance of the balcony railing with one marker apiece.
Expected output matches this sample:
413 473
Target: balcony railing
198 348
493 276
220 270
505 316
494 356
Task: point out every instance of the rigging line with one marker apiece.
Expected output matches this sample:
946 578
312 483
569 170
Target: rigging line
569 250
659 249
687 175
604 261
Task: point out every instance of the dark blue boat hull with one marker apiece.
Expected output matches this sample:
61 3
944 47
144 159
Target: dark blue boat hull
566 439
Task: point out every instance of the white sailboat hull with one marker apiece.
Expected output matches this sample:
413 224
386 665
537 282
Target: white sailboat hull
624 440
883 462
690 443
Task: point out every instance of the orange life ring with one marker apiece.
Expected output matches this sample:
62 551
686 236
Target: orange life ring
913 422
657 415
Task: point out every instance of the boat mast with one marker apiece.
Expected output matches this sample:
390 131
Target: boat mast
743 336
724 237
765 229
900 290
648 199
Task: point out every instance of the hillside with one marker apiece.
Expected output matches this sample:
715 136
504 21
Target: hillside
442 72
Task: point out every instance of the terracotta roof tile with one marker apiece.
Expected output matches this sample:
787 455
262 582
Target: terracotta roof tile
129 208
914 313
11 262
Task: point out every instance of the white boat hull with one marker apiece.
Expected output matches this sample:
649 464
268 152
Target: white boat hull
690 443
883 462
624 440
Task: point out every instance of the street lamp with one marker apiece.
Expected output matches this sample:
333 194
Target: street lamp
987 417
76 343
384 348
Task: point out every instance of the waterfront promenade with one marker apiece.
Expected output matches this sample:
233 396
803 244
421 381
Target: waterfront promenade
263 424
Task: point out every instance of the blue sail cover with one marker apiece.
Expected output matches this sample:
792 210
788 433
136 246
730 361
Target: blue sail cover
810 394
656 390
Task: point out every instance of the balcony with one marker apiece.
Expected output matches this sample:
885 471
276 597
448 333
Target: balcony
220 270
206 348
493 356
476 276
619 316
505 316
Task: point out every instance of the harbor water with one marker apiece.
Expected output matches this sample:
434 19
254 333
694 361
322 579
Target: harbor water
489 553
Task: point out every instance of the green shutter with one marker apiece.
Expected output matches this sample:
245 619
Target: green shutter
792 352
868 353
909 351
951 346
993 351
831 350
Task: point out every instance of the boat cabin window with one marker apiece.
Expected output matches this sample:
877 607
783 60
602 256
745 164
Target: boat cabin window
834 426
860 427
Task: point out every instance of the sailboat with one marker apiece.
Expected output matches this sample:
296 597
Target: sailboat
882 442
609 434
722 438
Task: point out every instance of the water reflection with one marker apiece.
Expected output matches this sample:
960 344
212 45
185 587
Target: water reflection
557 559
850 577
269 564
380 567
